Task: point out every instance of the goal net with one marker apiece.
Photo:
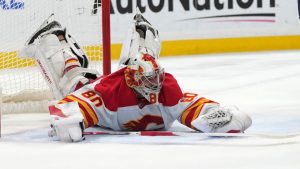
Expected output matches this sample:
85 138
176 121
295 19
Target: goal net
20 79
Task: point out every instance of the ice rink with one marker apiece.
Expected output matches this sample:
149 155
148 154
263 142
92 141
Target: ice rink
266 85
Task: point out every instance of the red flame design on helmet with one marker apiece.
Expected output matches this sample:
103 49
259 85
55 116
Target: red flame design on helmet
130 79
149 58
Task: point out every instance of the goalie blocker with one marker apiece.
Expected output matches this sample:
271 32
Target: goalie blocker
139 96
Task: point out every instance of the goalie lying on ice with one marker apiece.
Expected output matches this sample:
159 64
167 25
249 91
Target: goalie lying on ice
138 96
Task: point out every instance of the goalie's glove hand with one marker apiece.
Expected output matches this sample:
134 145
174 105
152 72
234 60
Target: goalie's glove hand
219 119
67 129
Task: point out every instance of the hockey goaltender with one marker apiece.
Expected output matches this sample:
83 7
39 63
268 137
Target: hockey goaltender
139 96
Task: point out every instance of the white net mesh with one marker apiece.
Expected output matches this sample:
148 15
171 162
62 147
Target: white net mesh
20 79
82 18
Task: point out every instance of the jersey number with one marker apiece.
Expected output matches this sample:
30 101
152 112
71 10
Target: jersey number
188 97
93 97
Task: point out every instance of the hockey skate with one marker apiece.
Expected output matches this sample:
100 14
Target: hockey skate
222 120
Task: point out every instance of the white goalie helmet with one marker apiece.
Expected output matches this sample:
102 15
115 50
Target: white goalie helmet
145 75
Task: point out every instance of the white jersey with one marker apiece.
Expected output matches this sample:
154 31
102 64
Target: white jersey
110 103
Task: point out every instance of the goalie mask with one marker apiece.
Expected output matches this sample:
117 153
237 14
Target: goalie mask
145 75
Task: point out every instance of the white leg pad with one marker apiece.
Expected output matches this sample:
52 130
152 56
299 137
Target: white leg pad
130 47
142 37
62 76
48 71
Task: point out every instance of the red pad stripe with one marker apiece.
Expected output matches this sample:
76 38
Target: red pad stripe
71 60
69 68
79 85
56 111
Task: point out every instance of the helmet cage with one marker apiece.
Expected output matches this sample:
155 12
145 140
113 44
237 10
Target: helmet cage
151 82
145 75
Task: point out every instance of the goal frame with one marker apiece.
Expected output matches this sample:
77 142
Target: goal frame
106 37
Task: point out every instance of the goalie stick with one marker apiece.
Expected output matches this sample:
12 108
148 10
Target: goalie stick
191 134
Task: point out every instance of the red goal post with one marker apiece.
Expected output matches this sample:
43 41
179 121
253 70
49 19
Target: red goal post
106 37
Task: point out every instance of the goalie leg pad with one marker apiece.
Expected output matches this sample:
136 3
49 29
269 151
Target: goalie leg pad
61 60
142 37
60 67
51 74
53 51
77 50
130 47
149 36
51 26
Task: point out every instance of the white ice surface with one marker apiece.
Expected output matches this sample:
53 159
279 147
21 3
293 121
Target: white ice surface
266 85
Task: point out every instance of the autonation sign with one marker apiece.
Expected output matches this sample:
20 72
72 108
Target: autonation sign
12 4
